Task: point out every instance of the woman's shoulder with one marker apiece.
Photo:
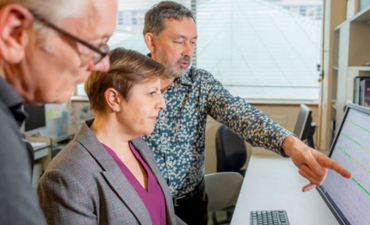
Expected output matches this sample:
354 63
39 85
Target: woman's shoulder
74 157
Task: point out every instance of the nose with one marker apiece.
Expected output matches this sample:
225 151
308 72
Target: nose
161 103
188 49
101 66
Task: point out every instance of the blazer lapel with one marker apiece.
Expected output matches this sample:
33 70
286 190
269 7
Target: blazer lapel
129 196
113 174
148 156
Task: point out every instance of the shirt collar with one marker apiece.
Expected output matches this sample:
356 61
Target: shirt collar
184 79
12 100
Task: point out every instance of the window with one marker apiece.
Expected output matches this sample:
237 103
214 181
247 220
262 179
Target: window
120 18
133 18
259 49
318 12
302 10
130 36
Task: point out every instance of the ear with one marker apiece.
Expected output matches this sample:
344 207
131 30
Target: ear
14 23
113 99
149 41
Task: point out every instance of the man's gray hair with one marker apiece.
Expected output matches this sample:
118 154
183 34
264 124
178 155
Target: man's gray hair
51 10
156 16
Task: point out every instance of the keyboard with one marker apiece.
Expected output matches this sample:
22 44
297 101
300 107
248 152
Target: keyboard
269 217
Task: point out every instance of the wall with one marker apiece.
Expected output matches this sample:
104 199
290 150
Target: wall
285 115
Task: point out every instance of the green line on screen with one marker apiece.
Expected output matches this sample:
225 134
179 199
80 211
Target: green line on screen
364 189
363 128
354 159
363 147
346 153
351 139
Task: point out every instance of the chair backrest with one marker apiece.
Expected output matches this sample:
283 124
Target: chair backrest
231 151
222 189
304 119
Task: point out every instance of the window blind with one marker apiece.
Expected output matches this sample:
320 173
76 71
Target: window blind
258 49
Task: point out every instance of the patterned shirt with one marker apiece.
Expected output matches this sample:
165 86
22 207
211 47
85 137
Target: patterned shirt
178 140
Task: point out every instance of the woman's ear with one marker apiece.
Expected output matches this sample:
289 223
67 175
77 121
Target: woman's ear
113 99
15 22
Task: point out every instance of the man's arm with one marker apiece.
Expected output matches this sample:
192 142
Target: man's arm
312 164
259 130
242 118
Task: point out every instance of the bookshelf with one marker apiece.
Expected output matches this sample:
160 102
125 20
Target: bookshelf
346 52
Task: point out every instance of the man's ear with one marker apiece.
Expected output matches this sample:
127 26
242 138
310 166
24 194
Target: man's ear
14 23
149 41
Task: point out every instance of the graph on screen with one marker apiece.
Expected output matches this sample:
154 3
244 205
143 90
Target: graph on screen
352 151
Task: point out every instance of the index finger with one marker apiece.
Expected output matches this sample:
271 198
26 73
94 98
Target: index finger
326 162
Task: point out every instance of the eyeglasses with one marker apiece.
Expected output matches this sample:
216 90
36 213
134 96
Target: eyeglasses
99 52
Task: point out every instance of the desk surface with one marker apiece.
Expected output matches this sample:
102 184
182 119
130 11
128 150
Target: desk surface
273 182
39 145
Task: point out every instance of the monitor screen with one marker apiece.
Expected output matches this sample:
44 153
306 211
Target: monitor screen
349 199
303 124
36 117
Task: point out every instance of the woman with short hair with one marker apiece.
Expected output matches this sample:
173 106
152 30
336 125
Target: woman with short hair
107 174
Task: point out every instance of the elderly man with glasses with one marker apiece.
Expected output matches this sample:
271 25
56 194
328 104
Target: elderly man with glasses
46 49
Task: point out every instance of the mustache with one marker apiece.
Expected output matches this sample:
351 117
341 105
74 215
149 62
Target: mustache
183 59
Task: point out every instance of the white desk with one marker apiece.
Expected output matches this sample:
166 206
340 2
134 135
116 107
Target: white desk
42 156
42 151
273 182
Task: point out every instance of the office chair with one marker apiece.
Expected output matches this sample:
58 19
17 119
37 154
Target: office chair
304 127
223 190
231 151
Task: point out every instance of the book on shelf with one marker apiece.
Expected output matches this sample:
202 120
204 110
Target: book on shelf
365 92
361 89
356 90
332 126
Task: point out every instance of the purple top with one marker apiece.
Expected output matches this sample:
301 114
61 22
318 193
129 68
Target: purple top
153 199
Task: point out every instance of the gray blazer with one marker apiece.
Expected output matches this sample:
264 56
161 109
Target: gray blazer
84 185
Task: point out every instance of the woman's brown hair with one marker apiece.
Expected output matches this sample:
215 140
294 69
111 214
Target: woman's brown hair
127 68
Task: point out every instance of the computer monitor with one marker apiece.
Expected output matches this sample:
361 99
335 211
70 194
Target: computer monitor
305 128
349 199
36 118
